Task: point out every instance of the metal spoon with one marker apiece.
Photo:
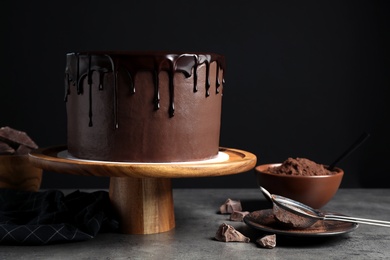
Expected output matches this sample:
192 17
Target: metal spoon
299 215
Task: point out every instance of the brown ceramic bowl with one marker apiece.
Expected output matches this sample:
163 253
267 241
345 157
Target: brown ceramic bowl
314 191
17 173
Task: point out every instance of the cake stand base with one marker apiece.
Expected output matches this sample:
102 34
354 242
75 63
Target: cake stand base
141 193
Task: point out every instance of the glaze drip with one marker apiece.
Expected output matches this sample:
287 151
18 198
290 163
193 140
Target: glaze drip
82 65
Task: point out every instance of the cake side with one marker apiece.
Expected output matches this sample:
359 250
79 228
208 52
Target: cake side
152 107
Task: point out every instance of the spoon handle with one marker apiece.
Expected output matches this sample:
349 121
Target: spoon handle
358 220
352 148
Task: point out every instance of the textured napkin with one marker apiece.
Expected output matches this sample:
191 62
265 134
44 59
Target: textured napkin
47 217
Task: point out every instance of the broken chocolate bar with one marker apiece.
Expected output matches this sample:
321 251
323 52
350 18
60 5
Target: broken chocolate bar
16 137
268 241
230 206
288 219
23 150
6 149
15 142
228 233
238 215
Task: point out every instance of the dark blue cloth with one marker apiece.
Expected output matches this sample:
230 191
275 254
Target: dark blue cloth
46 217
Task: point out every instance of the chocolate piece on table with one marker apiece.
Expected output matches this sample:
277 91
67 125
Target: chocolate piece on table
16 137
6 149
228 233
238 215
268 241
230 206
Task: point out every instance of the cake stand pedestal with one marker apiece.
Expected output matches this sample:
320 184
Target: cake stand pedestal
141 193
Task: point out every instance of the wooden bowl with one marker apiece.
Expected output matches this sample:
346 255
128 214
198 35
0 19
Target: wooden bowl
16 172
314 191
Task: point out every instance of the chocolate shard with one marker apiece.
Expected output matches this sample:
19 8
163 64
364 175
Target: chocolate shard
230 206
227 233
288 219
23 150
15 137
6 149
268 241
238 215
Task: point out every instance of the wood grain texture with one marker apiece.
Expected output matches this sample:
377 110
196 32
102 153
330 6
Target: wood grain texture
141 193
144 206
239 161
16 172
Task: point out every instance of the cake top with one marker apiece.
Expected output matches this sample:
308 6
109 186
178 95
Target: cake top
81 65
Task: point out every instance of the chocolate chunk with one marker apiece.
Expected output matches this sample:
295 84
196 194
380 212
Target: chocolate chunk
288 219
6 149
268 241
15 138
230 206
23 150
238 215
227 233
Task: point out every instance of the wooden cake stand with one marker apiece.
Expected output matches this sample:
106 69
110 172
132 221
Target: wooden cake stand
141 193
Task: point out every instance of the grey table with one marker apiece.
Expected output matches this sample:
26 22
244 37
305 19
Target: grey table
197 220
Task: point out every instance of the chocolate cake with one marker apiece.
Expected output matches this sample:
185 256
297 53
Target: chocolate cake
144 106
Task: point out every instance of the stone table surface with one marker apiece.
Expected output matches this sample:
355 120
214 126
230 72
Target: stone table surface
198 218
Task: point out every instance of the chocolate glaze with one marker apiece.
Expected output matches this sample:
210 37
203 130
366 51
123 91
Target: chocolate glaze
81 65
144 106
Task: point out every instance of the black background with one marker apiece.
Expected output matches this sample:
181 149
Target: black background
303 79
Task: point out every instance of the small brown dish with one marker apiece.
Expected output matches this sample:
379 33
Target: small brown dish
314 191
